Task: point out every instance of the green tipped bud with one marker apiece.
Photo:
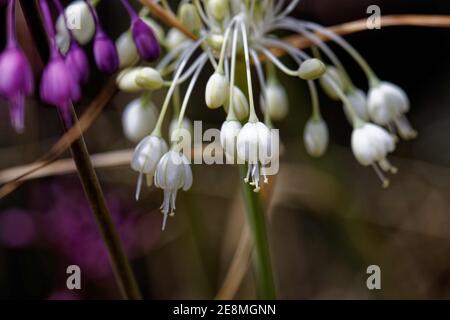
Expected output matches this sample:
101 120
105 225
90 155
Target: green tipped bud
149 78
216 92
312 69
219 9
188 15
126 80
333 74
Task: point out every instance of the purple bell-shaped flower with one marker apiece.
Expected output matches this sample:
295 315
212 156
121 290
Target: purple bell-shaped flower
143 36
16 81
59 87
105 52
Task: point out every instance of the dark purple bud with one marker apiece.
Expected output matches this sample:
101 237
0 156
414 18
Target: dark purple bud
77 62
145 40
16 80
105 53
58 86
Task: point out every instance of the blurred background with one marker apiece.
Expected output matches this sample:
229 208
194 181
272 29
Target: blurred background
328 219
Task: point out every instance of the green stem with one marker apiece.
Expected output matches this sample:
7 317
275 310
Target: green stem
265 287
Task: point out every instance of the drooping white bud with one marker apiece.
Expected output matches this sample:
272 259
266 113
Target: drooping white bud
126 80
241 107
316 137
138 120
126 50
219 9
358 100
189 17
216 92
311 69
149 79
276 102
79 20
174 38
332 74
386 102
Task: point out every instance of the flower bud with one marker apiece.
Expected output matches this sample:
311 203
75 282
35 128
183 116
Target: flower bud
149 79
79 20
157 29
145 40
311 69
105 53
188 15
240 105
215 41
358 101
276 103
126 80
138 119
219 9
216 92
126 50
78 62
334 74
315 137
174 38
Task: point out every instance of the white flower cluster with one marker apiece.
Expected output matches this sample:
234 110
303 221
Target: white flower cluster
233 35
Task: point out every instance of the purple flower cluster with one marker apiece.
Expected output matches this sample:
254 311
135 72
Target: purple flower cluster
62 222
64 73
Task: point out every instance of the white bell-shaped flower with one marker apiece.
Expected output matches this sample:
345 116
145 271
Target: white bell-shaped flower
371 144
146 158
276 102
172 173
216 93
316 137
138 119
254 146
386 102
358 100
79 20
241 107
228 138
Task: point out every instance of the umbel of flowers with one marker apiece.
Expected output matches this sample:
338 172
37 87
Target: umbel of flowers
224 30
